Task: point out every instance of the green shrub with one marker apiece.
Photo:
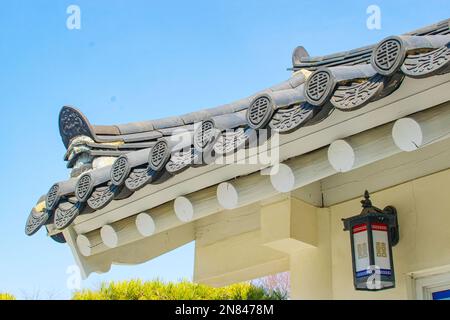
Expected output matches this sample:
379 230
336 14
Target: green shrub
7 296
184 290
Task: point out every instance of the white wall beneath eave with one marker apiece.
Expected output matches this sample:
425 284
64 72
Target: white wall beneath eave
423 207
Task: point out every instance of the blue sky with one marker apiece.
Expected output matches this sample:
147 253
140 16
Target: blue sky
135 60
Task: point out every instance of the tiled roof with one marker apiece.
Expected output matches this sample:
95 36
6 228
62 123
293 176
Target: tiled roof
146 153
301 60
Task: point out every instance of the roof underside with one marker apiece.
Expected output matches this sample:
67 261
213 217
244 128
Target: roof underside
112 162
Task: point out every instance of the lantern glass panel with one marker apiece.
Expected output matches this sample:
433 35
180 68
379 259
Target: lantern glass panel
381 248
361 250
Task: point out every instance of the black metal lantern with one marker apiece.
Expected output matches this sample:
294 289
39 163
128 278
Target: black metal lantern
373 233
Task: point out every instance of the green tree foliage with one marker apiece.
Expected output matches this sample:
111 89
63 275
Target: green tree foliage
7 296
184 290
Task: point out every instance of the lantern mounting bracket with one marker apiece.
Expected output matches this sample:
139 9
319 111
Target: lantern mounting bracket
393 227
